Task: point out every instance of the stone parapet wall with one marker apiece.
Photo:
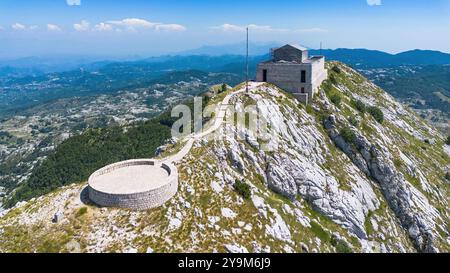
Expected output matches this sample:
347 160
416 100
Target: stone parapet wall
140 200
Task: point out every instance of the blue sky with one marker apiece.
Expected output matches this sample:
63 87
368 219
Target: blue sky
138 27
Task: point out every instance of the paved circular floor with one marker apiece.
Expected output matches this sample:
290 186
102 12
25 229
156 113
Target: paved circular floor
131 179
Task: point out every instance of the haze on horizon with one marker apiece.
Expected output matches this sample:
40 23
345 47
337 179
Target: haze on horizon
146 28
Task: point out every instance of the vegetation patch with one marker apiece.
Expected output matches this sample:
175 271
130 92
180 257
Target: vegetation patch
353 121
340 245
336 69
348 134
376 113
243 189
320 232
368 224
82 211
359 105
335 98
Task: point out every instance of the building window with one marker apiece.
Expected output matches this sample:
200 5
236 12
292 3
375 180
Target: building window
303 79
265 75
303 90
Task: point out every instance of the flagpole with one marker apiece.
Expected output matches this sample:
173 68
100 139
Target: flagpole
246 61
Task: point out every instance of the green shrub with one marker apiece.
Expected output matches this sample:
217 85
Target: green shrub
353 121
359 105
348 135
243 189
336 69
309 109
448 140
376 113
223 88
336 99
447 176
333 79
340 245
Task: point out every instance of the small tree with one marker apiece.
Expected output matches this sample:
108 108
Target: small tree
223 88
448 140
353 121
359 105
376 113
243 189
348 135
447 176
336 99
336 69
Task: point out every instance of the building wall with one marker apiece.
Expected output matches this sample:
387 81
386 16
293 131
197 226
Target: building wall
318 74
135 201
287 76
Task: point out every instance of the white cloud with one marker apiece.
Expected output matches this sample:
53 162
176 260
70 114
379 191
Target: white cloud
374 2
265 28
237 28
52 27
170 27
82 26
73 2
103 27
18 26
229 27
133 23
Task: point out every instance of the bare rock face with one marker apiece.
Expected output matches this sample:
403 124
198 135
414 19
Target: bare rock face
298 171
410 206
290 178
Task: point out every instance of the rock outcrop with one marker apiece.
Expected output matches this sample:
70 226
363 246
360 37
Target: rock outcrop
411 207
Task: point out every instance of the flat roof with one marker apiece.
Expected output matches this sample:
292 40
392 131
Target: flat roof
131 179
307 61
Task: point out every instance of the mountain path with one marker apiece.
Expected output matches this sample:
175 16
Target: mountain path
223 106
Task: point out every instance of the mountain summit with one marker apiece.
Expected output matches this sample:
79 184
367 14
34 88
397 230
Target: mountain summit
353 171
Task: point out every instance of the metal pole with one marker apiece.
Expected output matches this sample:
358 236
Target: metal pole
246 87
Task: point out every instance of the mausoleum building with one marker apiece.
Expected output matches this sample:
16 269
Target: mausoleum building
292 70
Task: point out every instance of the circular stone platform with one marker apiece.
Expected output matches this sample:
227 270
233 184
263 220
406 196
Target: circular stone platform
134 184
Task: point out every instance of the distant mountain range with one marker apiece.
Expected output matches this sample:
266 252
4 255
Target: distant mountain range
212 58
231 49
374 58
355 57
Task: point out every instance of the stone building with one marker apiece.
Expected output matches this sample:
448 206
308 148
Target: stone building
294 71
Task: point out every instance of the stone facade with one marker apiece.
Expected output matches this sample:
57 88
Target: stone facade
138 200
293 71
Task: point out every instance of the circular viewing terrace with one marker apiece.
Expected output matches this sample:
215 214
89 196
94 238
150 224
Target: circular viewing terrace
134 184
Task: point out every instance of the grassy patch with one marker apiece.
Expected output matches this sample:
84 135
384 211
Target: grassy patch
368 224
320 232
82 211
